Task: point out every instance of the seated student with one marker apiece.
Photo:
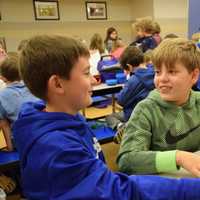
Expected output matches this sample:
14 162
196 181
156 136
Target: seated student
137 88
111 37
60 156
144 29
12 96
96 48
163 129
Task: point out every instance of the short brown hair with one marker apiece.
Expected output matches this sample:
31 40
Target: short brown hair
9 67
177 50
132 55
44 56
146 25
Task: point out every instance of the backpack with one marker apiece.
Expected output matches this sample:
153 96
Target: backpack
108 67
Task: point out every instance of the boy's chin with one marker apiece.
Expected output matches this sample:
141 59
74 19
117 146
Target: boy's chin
89 102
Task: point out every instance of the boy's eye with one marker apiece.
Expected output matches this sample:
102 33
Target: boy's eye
157 72
87 73
172 71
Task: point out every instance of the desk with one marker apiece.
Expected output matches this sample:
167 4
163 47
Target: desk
8 160
103 89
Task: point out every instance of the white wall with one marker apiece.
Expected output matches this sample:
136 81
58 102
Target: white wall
18 21
172 15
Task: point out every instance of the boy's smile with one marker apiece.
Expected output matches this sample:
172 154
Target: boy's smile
175 84
78 89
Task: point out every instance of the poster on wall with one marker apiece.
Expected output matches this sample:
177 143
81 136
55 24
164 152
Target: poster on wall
46 10
96 10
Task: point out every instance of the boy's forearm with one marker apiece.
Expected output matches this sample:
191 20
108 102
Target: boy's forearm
133 162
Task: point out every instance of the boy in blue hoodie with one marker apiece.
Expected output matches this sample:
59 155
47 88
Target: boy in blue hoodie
60 156
137 87
145 28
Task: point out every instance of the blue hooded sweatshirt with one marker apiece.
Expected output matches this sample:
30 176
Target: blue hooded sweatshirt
61 160
136 89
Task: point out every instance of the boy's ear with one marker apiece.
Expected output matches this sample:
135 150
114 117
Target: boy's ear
195 75
129 68
55 85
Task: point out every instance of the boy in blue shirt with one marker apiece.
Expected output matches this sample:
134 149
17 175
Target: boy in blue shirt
137 87
60 156
12 96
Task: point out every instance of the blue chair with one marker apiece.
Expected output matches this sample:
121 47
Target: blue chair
8 160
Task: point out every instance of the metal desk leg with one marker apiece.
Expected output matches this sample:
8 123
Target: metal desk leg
113 103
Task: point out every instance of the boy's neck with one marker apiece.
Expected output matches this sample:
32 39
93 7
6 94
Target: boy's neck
60 108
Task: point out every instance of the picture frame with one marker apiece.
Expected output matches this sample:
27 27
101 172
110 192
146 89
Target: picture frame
96 10
46 10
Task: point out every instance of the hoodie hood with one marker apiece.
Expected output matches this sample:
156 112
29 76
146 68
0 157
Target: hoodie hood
146 76
155 96
32 117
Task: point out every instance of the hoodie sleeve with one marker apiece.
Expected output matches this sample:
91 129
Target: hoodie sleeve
130 91
75 174
135 156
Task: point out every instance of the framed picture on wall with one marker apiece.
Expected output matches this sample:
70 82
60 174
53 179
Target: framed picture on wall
96 10
3 43
46 10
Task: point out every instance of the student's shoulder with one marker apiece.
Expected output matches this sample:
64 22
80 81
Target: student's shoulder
60 140
6 92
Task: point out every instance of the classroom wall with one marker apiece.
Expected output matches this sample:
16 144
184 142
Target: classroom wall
18 21
172 15
193 17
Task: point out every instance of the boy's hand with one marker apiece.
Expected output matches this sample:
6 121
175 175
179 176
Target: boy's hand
189 161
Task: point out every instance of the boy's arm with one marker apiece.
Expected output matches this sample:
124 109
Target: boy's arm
135 155
5 126
128 93
75 174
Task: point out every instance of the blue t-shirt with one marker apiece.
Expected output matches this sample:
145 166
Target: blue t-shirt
11 99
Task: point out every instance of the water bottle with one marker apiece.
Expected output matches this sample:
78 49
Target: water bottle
2 194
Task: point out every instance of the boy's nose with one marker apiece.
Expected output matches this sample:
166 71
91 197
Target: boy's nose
93 80
164 76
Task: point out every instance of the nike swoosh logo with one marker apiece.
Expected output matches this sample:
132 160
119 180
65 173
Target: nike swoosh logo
170 139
